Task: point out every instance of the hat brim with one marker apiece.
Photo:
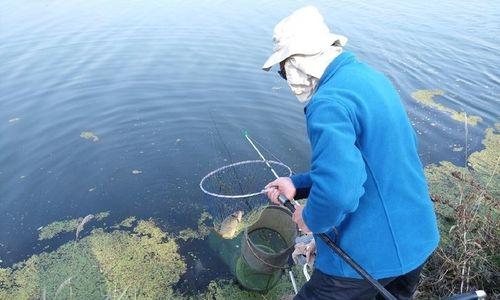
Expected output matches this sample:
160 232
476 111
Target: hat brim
275 58
302 48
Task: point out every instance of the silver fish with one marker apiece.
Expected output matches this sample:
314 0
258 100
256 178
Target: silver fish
82 223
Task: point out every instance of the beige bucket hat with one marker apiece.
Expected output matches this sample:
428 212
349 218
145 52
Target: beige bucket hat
303 32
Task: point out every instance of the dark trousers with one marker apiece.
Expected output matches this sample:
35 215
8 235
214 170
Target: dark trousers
323 286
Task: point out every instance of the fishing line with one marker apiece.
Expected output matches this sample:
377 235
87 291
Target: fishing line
225 148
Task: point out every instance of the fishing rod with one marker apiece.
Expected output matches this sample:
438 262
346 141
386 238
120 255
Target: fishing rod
324 237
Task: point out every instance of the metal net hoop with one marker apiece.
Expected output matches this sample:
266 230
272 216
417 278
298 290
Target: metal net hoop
246 162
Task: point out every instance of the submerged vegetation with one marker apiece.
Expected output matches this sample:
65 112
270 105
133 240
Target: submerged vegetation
426 97
467 204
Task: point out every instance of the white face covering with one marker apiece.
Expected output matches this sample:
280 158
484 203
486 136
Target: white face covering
304 71
301 84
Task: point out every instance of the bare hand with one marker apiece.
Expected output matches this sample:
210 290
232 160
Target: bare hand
282 185
297 218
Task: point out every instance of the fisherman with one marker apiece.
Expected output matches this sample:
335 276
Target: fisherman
366 187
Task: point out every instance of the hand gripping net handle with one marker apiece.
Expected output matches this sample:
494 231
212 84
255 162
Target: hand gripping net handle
239 164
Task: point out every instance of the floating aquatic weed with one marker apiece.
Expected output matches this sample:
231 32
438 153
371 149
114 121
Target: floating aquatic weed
89 135
201 232
82 223
143 264
486 162
128 222
102 215
426 97
188 234
58 227
62 285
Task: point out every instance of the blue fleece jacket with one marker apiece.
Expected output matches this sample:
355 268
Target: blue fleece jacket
366 179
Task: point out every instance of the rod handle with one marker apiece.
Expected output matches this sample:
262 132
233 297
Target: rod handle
480 294
286 202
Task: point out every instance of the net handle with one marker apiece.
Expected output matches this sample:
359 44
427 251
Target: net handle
238 164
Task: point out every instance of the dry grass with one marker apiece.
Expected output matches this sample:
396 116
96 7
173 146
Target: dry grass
467 205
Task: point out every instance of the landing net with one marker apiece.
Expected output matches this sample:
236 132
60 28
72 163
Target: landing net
242 179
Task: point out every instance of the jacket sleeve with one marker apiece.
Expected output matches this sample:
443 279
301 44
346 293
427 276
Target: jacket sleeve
302 183
337 168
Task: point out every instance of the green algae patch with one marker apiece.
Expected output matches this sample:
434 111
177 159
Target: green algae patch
58 227
102 215
201 232
143 264
426 97
485 163
89 135
126 223
189 234
44 274
53 229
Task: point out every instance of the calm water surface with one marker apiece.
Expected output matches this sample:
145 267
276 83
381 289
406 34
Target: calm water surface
168 86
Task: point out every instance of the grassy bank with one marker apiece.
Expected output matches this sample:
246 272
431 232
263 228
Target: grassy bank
467 205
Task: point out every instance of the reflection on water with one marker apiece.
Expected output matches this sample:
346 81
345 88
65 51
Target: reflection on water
163 90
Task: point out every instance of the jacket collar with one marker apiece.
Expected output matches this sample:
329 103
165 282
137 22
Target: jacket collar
344 58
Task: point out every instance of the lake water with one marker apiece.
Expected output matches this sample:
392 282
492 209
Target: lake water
168 87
